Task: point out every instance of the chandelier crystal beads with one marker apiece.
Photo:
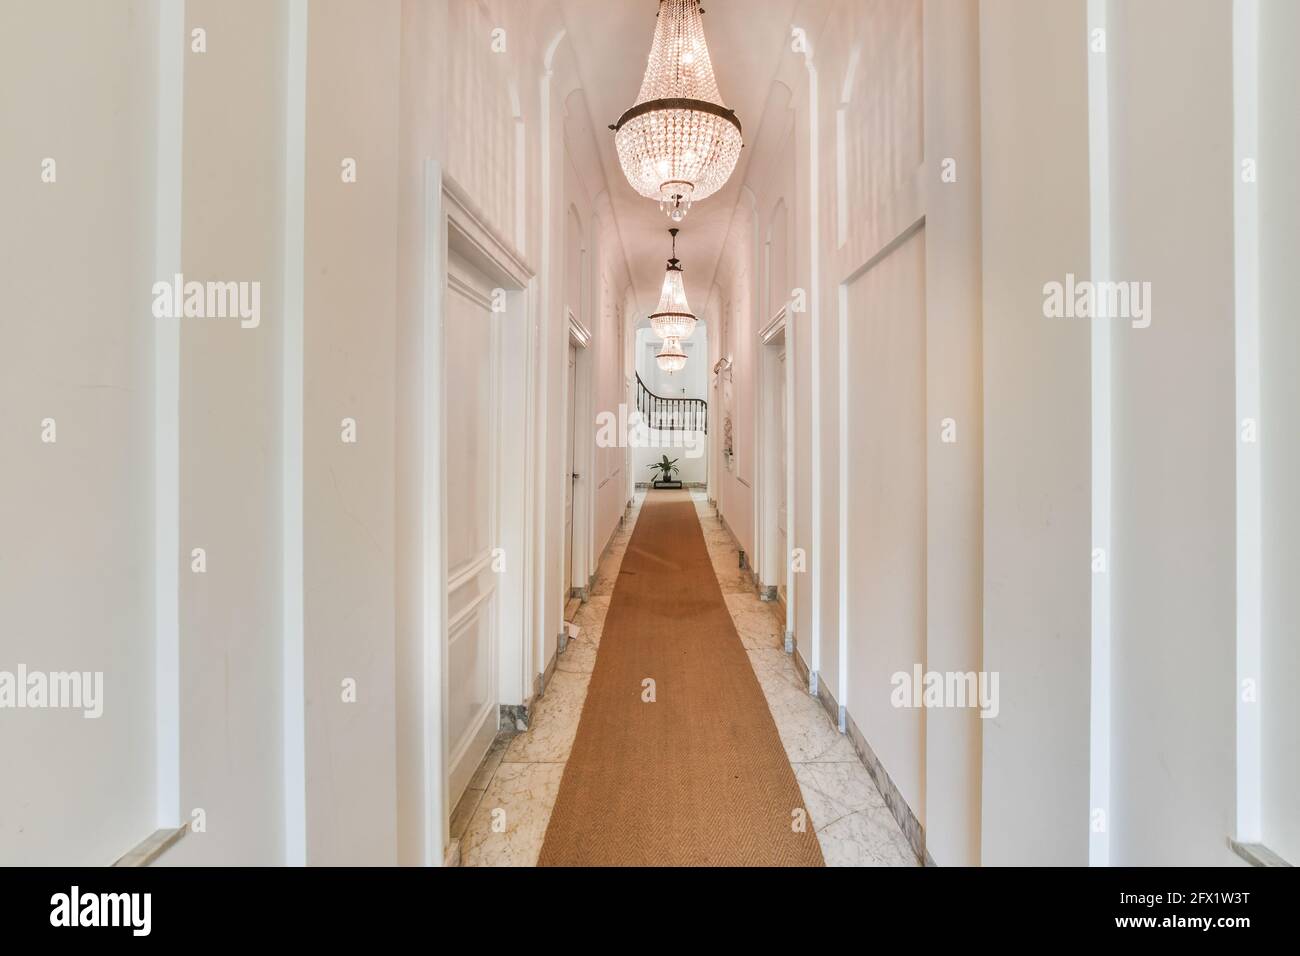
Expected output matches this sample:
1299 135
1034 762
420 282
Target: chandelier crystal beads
673 319
671 358
678 143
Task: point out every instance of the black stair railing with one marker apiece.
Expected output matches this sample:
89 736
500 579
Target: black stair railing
671 414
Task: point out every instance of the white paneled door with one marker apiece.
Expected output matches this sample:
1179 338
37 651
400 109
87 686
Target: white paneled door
471 413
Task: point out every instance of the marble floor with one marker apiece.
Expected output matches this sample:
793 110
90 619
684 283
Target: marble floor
501 820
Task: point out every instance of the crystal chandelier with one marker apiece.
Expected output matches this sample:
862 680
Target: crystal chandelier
671 358
674 318
678 143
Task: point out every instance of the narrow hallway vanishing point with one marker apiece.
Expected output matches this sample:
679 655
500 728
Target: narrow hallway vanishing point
503 818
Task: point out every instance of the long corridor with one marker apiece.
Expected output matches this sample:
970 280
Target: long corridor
651 433
504 817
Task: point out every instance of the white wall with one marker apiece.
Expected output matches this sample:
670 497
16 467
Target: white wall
996 554
1173 554
737 329
594 282
1036 434
885 517
423 29
845 167
609 386
954 391
1279 243
349 359
692 461
233 652
230 395
76 515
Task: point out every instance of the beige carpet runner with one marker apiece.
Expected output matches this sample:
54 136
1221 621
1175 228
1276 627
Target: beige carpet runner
698 777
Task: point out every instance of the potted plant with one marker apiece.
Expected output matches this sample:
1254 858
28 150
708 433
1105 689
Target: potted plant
664 471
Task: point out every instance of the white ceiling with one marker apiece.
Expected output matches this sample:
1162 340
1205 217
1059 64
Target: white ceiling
611 42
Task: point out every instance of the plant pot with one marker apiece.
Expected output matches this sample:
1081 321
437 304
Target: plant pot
660 483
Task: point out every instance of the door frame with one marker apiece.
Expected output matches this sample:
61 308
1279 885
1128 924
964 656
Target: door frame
774 567
584 454
451 220
570 453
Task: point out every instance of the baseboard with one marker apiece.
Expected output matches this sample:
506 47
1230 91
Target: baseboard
839 715
744 558
151 847
515 717
764 592
1256 854
907 820
543 679
584 594
800 665
829 704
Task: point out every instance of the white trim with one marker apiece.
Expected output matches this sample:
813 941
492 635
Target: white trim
842 636
579 334
458 753
771 351
775 327
541 421
294 713
487 249
1249 664
1099 729
168 183
531 493
814 303
457 622
470 569
791 473
841 149
458 285
451 218
433 546
760 287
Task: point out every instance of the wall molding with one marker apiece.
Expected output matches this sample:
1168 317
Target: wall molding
495 251
152 847
903 814
544 678
773 328
1256 854
579 334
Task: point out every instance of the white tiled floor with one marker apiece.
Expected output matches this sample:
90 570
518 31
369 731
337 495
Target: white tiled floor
502 821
